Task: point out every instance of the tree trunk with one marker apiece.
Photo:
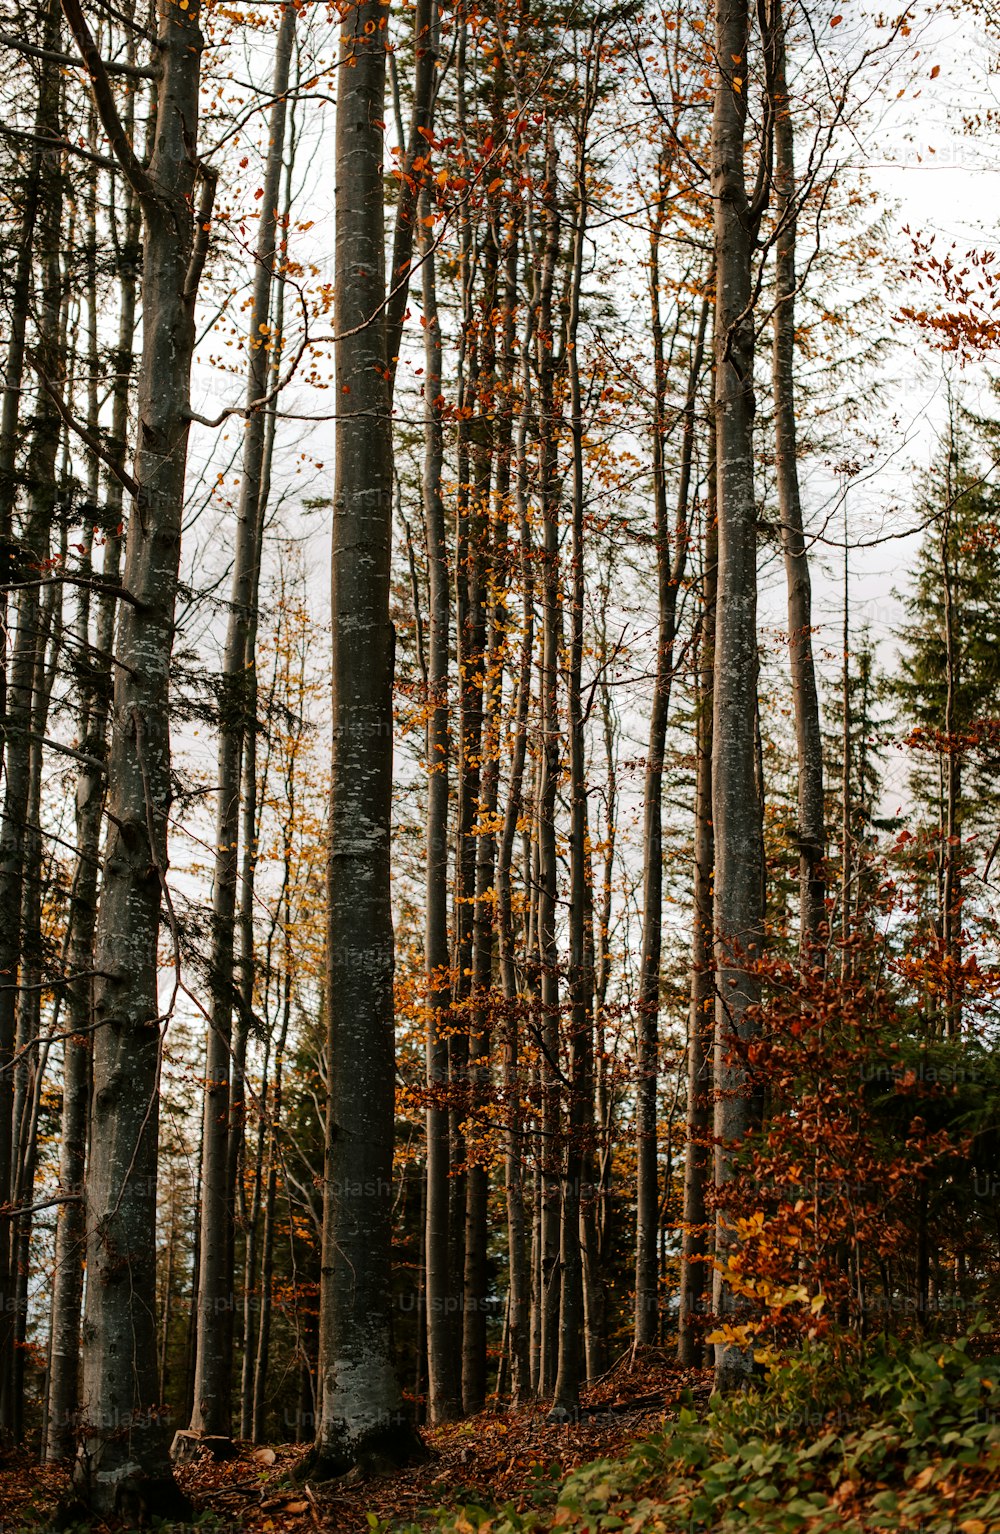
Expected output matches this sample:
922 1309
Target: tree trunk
808 738
737 816
213 1388
443 1383
670 570
694 1241
551 1135
28 555
124 1464
67 1289
360 1405
519 1286
579 1116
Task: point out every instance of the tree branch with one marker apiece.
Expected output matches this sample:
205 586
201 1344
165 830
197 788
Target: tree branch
104 99
123 477
112 67
63 145
203 230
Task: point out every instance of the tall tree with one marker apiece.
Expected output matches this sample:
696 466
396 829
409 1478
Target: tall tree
805 697
360 1405
124 1463
737 812
41 233
216 1298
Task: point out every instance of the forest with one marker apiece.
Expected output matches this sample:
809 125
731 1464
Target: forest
499 766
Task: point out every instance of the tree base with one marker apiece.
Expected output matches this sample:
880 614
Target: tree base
130 1494
380 1452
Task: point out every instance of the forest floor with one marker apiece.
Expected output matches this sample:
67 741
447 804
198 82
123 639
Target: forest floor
495 1457
908 1441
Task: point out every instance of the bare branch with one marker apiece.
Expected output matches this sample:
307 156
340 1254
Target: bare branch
104 99
130 71
123 477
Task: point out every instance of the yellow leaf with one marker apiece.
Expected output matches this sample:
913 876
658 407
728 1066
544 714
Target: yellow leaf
973 1526
924 1478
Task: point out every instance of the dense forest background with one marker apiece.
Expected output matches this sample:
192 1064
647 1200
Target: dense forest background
569 935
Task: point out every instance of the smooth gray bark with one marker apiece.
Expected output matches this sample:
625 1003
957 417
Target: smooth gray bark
737 813
124 1465
26 550
805 698
695 1238
213 1387
360 1405
443 1385
519 1286
550 761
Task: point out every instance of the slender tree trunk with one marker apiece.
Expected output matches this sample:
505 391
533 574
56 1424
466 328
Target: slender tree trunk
487 641
67 1290
579 1115
670 568
443 1383
31 1051
551 1134
216 1297
262 1351
737 815
124 1464
519 1285
694 1241
36 185
253 794
42 219
808 737
360 1406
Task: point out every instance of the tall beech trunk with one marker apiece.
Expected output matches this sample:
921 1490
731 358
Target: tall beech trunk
737 813
443 1380
124 1464
487 618
694 1240
32 1051
519 1282
263 1344
805 698
41 220
579 1116
252 808
37 183
670 572
213 1387
551 1127
67 1289
360 1405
